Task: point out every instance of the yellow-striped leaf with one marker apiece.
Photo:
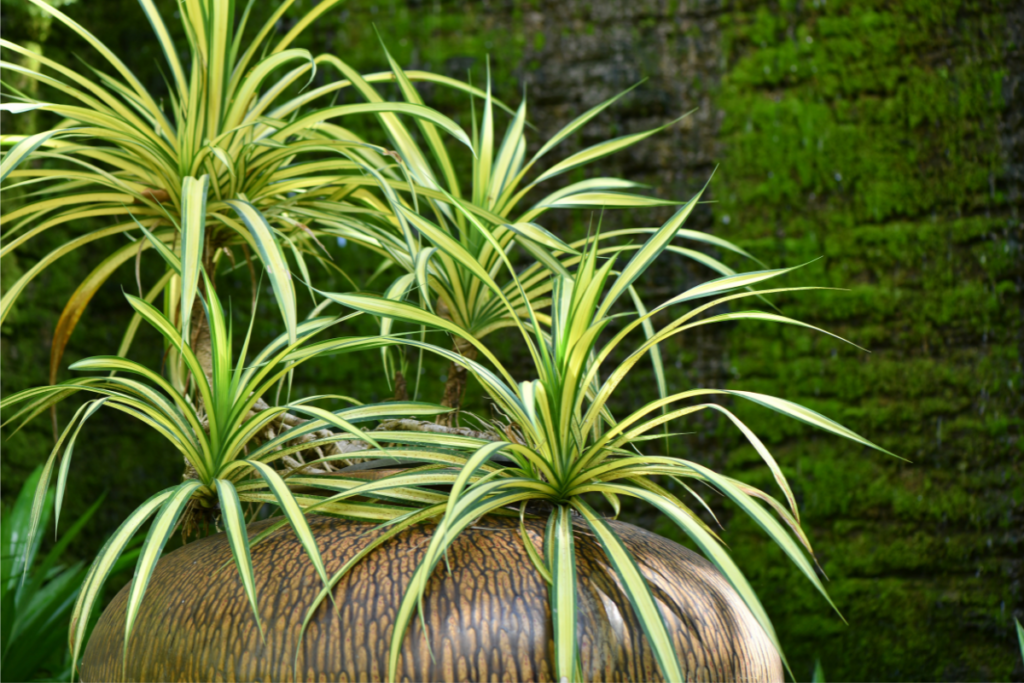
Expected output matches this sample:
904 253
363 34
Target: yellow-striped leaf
22 150
44 483
400 310
807 416
273 259
293 512
238 538
713 551
563 592
104 562
65 463
531 550
193 239
597 151
418 111
86 290
639 593
163 526
766 522
646 254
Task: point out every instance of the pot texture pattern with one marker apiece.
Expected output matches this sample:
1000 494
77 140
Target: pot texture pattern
487 620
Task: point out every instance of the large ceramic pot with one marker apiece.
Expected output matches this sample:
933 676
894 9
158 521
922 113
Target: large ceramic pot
489 619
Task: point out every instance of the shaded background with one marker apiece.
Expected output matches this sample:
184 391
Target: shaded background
883 139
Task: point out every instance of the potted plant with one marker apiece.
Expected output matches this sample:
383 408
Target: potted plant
228 170
559 446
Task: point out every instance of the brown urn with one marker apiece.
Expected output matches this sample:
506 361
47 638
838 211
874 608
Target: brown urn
487 620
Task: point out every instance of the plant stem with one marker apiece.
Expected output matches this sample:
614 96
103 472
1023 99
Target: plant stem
456 384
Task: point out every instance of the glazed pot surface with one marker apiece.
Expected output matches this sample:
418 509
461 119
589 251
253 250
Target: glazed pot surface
489 619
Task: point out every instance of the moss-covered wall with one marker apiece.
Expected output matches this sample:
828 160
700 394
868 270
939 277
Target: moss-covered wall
883 139
872 135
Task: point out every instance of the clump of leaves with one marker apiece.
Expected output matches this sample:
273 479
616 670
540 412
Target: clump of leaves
567 445
235 159
562 444
212 425
494 193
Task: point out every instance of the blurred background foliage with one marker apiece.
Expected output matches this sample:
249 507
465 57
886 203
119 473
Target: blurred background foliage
884 138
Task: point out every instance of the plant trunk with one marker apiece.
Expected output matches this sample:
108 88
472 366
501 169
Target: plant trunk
401 392
456 384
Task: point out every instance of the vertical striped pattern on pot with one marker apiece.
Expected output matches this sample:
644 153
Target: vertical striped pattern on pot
488 620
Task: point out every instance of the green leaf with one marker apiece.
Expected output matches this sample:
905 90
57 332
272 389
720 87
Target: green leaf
480 500
579 122
538 562
428 129
102 565
725 284
400 310
415 110
65 463
636 588
655 351
193 239
293 512
1020 636
168 256
597 151
166 44
274 260
807 416
646 255
22 150
44 480
163 526
766 522
563 592
238 538
396 529
541 236
713 551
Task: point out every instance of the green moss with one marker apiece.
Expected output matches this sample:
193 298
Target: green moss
867 134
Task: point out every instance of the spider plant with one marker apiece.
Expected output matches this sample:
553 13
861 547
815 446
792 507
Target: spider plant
229 162
212 426
564 446
494 194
